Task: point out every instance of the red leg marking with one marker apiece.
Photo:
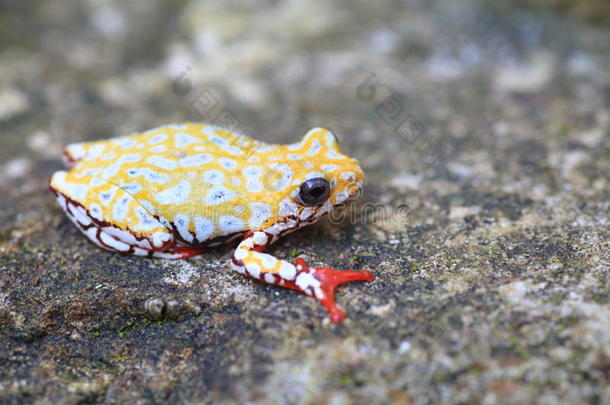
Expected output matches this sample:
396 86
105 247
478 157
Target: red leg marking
178 252
188 251
318 282
330 279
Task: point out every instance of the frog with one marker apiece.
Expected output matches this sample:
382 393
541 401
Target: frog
179 190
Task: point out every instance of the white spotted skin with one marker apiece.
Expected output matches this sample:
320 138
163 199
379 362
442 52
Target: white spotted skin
287 271
249 260
174 191
308 283
200 184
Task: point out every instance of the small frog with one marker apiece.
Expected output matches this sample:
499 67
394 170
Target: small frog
175 191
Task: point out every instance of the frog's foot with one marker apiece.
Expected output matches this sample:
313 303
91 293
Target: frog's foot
317 282
321 282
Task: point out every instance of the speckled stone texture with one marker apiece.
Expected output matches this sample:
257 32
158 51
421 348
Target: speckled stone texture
484 131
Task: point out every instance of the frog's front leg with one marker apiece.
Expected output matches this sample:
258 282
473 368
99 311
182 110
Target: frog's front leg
318 282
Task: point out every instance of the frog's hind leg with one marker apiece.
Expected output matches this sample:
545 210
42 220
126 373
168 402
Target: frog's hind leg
317 282
113 219
178 251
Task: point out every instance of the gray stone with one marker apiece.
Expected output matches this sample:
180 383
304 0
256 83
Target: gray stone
483 128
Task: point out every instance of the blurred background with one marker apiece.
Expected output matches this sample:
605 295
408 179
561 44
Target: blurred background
490 120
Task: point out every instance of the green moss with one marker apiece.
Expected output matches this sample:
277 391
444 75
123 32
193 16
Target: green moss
347 380
6 233
440 377
476 370
601 297
558 298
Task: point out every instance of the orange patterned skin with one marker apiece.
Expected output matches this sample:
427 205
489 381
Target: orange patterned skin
175 191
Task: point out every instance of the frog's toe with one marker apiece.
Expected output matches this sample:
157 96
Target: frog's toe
317 282
321 282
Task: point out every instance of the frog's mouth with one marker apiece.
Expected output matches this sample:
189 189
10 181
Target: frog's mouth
306 216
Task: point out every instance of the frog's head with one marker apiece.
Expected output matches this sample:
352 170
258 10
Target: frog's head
309 179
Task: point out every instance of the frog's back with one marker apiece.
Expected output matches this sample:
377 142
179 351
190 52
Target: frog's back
187 175
177 139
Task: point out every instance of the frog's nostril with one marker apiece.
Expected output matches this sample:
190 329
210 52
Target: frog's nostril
353 189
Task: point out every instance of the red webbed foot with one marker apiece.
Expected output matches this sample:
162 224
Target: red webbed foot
318 282
328 279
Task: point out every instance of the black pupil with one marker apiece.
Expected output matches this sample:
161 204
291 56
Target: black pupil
317 191
314 191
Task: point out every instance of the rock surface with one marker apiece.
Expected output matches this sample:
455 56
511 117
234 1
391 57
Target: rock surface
484 131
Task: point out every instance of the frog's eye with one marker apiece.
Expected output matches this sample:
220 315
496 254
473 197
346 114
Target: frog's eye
314 191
